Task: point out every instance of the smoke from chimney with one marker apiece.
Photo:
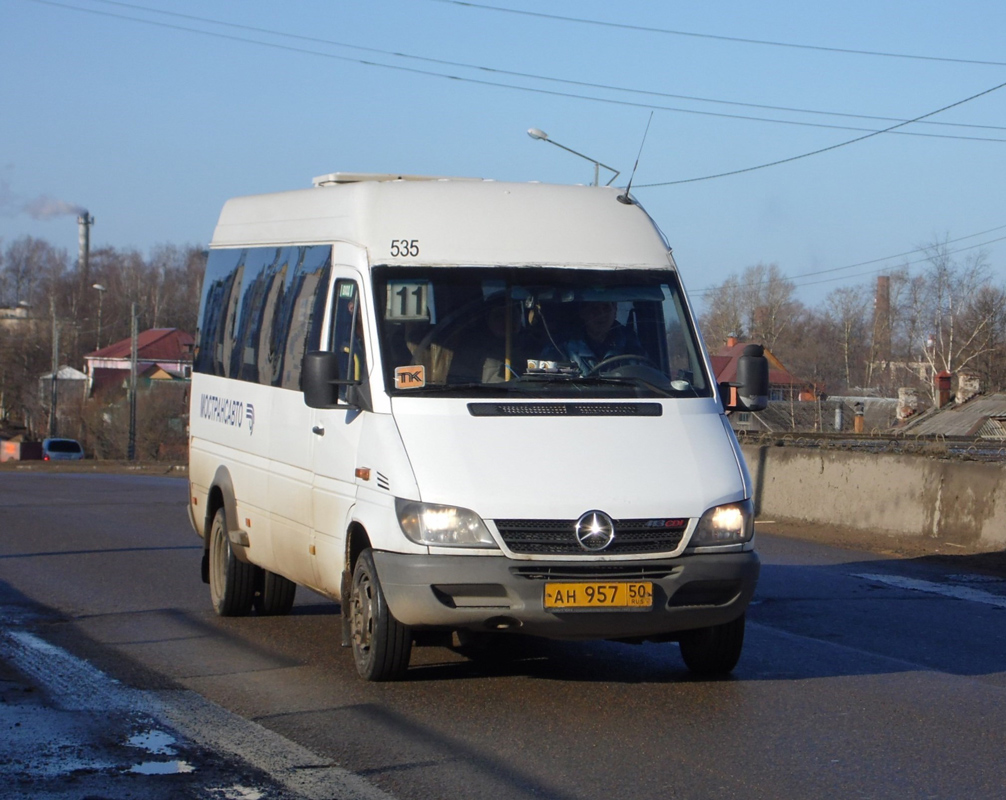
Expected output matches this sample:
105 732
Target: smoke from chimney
46 207
41 207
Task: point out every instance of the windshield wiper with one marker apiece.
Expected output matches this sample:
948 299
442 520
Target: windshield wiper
450 387
620 381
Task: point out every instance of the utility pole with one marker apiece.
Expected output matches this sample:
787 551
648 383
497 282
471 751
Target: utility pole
53 396
101 297
132 386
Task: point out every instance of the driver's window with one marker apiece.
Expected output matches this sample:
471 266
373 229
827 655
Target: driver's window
346 336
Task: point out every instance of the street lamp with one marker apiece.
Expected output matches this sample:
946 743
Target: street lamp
101 297
536 133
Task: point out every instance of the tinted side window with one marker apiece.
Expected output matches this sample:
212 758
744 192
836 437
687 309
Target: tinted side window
260 306
221 285
304 313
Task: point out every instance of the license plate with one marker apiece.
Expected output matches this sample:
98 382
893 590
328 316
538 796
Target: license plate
600 596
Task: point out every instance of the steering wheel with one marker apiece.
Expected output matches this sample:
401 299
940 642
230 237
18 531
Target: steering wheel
607 362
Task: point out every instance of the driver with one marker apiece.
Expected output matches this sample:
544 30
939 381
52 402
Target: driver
599 336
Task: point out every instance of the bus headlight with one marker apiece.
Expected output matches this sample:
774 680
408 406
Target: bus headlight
729 524
442 526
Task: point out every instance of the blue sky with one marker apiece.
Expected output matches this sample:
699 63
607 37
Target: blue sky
152 126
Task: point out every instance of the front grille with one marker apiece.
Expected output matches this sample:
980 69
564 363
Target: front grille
551 537
593 571
565 409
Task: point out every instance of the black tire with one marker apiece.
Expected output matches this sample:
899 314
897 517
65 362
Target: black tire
232 582
715 650
381 644
274 594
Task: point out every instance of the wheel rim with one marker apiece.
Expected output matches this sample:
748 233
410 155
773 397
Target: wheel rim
363 614
218 561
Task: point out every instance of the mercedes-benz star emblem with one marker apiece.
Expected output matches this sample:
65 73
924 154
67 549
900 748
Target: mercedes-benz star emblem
594 531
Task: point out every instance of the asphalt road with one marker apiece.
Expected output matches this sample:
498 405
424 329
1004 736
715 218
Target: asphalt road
862 675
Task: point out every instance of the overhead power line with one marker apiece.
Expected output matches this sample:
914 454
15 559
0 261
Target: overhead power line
829 148
532 76
796 279
412 70
721 38
499 84
906 264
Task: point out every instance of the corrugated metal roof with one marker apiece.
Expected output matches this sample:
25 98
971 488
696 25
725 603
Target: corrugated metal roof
966 419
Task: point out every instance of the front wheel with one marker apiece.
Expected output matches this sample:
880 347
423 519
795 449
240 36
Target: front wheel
232 582
714 650
381 644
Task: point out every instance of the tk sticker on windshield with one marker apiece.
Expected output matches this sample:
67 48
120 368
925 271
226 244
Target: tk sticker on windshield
412 377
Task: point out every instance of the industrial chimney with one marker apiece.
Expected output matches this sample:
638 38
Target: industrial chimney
84 223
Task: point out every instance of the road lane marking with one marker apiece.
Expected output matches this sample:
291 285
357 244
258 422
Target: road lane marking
956 592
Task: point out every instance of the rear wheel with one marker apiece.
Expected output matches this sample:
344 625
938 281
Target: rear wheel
714 650
274 594
232 582
381 644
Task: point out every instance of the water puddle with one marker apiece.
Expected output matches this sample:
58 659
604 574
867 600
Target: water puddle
163 768
158 743
237 792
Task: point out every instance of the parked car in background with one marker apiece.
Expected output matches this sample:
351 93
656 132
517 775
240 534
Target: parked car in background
62 450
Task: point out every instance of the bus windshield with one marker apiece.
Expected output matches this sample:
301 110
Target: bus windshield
536 331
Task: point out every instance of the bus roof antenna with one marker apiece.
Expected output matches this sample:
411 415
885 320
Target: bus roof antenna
624 197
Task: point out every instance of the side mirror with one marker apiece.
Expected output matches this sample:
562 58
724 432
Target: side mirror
320 380
752 382
752 379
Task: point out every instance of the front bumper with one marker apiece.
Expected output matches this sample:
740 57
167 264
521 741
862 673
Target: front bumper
494 593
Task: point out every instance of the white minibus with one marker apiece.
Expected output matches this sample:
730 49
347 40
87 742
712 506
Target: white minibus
467 408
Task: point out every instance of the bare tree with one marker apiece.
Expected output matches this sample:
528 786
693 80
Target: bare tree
959 310
985 355
772 310
846 311
757 306
724 316
31 267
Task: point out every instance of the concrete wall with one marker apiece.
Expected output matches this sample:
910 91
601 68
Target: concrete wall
954 501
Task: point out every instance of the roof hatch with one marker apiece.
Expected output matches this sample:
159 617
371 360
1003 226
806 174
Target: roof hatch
334 178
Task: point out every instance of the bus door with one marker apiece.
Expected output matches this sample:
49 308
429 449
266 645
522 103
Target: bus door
336 431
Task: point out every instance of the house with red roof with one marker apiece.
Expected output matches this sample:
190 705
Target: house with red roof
162 354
